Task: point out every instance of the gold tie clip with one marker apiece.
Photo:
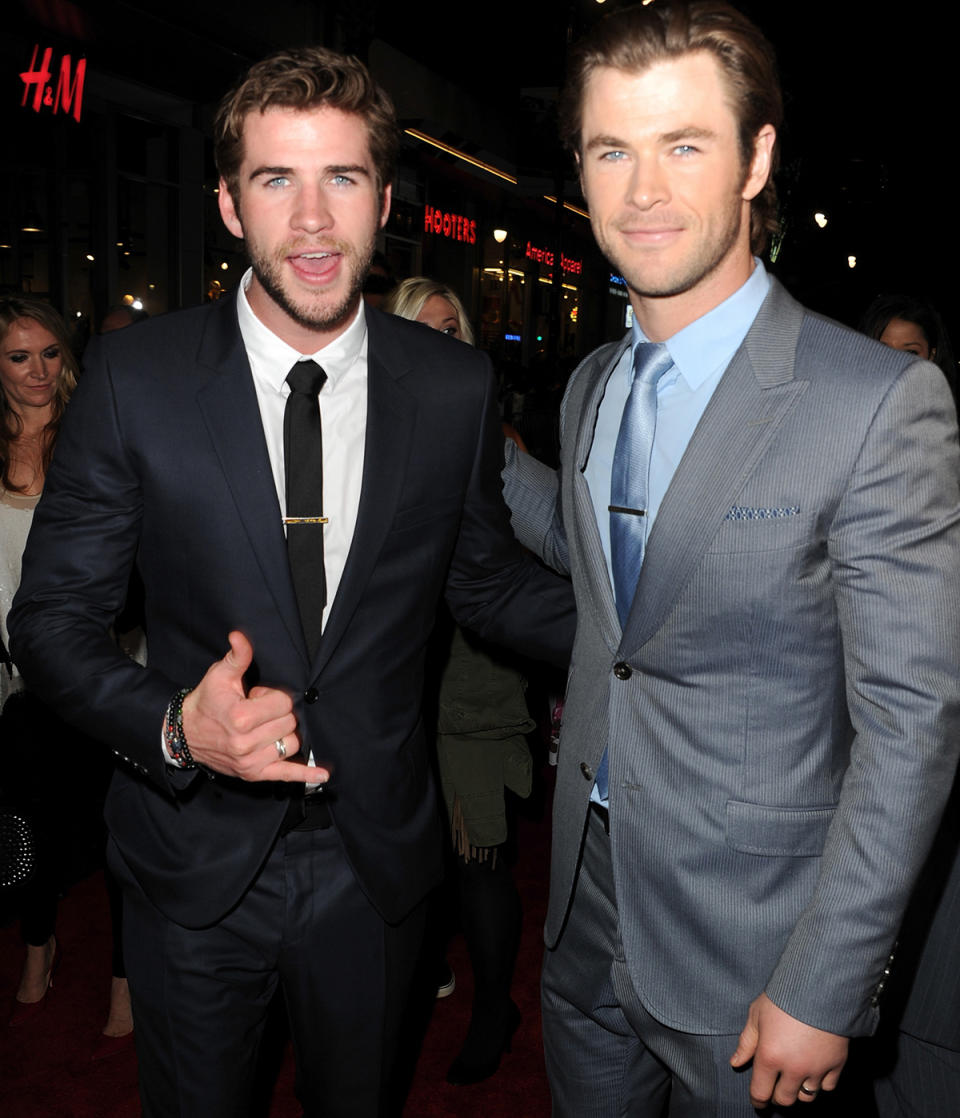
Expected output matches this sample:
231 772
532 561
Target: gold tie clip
306 520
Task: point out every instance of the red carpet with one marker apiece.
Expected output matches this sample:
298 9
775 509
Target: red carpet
45 1066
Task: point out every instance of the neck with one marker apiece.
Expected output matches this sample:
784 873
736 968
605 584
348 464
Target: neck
33 422
662 316
304 339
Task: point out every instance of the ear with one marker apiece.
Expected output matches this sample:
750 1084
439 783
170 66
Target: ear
385 208
762 161
228 211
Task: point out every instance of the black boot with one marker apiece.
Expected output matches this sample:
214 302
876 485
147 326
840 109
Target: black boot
491 913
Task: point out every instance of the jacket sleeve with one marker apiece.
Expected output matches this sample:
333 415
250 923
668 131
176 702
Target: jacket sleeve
894 549
74 584
532 492
493 588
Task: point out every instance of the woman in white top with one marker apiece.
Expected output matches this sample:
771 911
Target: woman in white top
37 374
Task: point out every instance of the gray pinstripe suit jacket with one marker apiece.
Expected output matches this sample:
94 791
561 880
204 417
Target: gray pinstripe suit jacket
786 734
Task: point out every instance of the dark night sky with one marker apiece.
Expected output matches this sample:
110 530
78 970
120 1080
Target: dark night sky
866 140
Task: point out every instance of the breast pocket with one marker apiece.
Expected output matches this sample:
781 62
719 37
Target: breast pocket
748 528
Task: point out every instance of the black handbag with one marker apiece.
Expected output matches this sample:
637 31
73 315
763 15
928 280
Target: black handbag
18 856
18 852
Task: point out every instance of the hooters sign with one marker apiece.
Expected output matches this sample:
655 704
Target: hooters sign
455 227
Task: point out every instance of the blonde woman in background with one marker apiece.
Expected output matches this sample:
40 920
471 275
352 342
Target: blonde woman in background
38 373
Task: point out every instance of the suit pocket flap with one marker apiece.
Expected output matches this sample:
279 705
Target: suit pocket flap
791 832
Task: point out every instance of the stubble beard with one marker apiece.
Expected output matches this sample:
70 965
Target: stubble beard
685 274
323 316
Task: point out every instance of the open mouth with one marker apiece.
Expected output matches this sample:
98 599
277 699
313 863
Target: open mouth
319 265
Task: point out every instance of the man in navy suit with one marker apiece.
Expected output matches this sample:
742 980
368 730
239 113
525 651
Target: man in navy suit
181 451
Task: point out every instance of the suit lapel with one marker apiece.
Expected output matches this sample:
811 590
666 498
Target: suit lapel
391 418
597 575
228 403
750 402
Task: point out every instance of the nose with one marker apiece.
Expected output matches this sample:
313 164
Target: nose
50 367
37 367
648 184
312 211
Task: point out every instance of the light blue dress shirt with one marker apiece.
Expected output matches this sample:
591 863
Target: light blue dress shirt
701 353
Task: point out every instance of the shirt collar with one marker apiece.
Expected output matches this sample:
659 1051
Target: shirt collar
709 342
271 358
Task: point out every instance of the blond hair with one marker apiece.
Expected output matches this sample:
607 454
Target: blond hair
407 300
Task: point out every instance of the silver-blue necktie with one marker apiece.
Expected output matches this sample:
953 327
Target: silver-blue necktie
630 477
630 489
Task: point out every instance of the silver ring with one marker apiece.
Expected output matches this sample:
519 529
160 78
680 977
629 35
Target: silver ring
807 1090
282 752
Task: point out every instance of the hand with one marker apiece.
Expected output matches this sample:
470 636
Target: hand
787 1055
235 733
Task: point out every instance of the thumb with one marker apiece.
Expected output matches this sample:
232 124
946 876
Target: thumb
746 1044
240 656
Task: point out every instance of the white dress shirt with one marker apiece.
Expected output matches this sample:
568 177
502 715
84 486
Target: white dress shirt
343 407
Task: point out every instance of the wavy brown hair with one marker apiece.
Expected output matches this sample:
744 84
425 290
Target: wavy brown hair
634 39
12 309
306 78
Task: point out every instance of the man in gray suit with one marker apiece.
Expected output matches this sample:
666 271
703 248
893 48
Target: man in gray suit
762 719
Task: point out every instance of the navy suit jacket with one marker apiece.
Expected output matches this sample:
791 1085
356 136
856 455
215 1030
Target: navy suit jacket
161 462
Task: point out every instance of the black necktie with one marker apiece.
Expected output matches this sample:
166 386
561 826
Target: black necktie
303 463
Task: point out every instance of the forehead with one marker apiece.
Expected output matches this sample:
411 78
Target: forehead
688 91
903 330
27 333
439 305
324 134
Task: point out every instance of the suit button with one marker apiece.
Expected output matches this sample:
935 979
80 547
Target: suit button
311 695
587 771
622 670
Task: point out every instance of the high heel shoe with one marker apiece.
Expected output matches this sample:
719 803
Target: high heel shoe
485 1043
25 1012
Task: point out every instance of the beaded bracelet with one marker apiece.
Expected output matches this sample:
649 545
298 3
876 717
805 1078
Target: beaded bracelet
173 737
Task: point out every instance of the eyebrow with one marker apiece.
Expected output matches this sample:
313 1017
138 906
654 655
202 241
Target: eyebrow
332 169
689 133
